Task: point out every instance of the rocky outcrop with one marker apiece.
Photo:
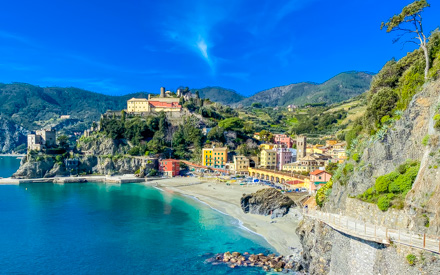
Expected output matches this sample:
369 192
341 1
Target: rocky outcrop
46 166
98 145
401 142
266 262
327 251
11 135
268 201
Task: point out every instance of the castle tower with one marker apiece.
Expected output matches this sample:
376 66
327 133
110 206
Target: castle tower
162 91
301 147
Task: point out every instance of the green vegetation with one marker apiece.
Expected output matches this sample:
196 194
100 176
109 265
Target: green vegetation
395 85
337 89
425 140
390 189
220 95
323 193
409 21
411 259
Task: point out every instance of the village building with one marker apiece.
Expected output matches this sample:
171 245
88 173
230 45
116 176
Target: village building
283 156
307 164
215 157
283 139
163 102
42 139
318 178
241 165
301 147
291 108
330 142
266 146
268 158
169 167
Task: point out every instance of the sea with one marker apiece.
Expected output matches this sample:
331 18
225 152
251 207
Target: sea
94 228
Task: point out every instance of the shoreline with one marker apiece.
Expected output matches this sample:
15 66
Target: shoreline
279 233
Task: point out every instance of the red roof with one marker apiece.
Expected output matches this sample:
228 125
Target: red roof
317 172
165 104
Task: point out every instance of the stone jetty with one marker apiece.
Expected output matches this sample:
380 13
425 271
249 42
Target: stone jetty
269 262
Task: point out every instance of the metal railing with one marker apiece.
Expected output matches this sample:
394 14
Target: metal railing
375 233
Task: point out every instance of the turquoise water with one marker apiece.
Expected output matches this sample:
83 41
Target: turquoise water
8 166
128 229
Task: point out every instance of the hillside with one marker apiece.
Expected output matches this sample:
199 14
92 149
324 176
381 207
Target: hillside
391 177
220 95
31 106
339 88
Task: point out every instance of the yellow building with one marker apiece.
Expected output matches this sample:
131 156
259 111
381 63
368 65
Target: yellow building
241 164
154 104
268 158
266 146
215 157
307 164
330 142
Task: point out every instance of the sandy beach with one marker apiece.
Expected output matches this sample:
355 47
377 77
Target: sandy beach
279 232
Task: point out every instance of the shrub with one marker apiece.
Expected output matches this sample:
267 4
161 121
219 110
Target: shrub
323 193
348 168
411 259
383 203
425 140
383 182
356 157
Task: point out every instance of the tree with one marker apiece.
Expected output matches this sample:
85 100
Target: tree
409 21
266 136
257 105
63 141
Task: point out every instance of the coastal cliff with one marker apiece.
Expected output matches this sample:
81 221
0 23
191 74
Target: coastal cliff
98 155
374 184
11 136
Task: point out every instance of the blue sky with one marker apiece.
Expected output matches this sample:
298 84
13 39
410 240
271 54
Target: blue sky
119 47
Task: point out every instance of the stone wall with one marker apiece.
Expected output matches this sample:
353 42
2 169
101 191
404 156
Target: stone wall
327 251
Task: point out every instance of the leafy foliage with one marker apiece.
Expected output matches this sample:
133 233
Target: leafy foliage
323 193
394 185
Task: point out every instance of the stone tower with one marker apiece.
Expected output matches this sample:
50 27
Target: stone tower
162 91
301 147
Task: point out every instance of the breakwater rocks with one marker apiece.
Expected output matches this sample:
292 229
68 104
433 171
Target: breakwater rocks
268 201
266 262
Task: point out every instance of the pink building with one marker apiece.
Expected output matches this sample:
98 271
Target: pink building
284 156
318 178
283 139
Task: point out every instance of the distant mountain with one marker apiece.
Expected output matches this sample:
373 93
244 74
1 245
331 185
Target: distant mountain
220 95
339 88
33 107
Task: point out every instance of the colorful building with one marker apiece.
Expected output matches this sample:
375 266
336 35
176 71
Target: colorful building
154 104
307 164
169 167
283 156
241 164
268 158
318 178
283 139
215 157
266 146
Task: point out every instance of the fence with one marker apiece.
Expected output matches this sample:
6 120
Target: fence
378 234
